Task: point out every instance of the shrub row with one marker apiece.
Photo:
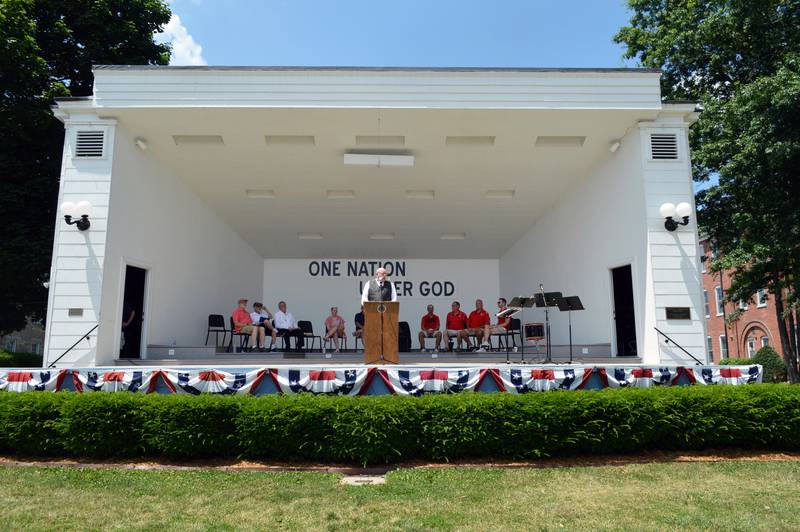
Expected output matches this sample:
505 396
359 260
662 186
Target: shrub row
386 429
9 359
774 366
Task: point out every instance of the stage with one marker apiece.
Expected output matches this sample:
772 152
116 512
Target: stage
324 377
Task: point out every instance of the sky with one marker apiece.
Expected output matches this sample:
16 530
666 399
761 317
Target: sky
500 33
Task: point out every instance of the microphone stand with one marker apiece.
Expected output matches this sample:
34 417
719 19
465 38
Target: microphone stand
547 347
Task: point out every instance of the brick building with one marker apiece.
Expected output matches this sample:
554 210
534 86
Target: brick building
756 327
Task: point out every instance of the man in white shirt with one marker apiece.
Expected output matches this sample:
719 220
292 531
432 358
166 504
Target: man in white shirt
287 327
262 317
379 289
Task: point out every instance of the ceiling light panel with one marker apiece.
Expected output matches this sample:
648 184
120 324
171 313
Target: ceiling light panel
381 141
453 236
340 194
559 142
378 159
260 193
197 140
290 140
420 194
309 236
500 194
468 141
382 236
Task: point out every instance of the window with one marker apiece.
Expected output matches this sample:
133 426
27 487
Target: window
703 258
11 345
710 347
742 304
35 348
751 346
723 346
764 341
705 303
718 294
761 297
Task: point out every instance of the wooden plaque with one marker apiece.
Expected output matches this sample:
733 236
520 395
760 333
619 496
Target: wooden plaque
381 332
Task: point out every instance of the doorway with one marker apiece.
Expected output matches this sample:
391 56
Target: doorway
624 318
133 312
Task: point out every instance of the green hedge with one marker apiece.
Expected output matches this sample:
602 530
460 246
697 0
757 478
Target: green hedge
19 360
386 429
774 366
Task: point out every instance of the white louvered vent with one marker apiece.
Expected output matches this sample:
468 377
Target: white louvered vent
663 146
89 144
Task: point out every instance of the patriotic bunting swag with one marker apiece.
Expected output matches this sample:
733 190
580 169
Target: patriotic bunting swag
725 375
638 377
420 381
212 381
524 379
399 380
322 381
115 381
32 381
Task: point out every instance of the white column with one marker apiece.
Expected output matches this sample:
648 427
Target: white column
76 271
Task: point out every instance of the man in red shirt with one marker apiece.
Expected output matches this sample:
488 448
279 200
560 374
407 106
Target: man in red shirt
430 329
502 326
456 325
477 321
242 322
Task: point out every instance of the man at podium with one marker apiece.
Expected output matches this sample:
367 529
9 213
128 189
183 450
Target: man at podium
379 288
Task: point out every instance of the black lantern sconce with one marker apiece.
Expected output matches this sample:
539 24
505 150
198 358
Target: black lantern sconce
77 214
670 211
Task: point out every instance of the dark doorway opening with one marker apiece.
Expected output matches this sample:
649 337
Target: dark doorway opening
624 318
133 312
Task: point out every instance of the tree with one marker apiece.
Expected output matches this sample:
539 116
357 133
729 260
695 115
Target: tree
47 49
741 60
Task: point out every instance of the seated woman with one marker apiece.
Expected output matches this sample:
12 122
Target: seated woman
334 328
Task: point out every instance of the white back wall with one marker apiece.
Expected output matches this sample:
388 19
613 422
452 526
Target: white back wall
311 286
596 225
196 264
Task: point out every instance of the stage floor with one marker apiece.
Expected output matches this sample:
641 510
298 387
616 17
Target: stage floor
187 357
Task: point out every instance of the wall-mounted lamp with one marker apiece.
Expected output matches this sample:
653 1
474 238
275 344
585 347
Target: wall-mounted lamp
614 145
140 143
81 210
669 211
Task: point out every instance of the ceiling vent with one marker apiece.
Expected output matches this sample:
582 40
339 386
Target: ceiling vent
663 146
89 144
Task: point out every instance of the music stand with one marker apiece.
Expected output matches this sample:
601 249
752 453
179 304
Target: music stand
520 303
568 304
546 300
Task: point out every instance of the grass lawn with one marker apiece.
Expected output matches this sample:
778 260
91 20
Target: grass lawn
741 495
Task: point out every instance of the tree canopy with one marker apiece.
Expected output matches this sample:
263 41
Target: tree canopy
47 49
741 61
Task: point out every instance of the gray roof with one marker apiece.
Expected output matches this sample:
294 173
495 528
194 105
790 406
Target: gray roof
376 69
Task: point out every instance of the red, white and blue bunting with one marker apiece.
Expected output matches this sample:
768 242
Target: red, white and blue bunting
638 376
524 379
115 381
350 381
725 375
32 380
212 381
358 380
427 380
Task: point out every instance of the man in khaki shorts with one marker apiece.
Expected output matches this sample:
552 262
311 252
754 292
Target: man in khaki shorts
501 327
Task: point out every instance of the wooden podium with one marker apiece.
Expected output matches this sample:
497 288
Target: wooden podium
381 332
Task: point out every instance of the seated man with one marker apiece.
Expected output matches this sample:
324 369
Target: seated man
334 328
287 327
456 325
477 321
430 329
263 318
359 321
243 323
501 327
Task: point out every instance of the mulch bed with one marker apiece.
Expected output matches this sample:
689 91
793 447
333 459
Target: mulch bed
255 465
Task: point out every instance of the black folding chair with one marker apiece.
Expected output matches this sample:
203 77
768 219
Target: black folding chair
244 338
512 332
308 333
216 324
